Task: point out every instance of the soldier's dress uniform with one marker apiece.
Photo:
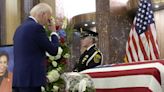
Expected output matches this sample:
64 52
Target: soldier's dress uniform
91 57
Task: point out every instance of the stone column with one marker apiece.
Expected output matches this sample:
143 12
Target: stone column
2 22
113 25
102 27
26 6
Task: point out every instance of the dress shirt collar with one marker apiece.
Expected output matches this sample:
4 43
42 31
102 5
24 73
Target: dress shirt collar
33 19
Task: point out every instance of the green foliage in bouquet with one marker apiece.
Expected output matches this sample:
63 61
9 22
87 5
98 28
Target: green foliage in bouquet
69 31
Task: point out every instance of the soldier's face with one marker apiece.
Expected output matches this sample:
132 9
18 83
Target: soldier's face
3 65
86 42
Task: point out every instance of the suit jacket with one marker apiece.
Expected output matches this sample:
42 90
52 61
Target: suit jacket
30 44
89 59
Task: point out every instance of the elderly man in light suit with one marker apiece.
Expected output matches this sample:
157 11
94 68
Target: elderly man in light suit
30 44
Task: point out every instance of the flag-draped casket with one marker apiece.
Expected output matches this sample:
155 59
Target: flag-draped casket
133 77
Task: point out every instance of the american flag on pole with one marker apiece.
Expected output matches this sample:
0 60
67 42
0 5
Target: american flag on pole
142 41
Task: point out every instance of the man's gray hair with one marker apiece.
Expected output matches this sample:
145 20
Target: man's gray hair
40 8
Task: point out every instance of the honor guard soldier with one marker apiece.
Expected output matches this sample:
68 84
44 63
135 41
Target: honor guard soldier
92 56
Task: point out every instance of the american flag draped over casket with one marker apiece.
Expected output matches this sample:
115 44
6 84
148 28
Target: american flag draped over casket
133 77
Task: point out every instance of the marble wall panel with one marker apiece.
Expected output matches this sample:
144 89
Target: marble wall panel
102 27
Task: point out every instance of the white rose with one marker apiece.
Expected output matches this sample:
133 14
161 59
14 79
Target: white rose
66 55
55 88
53 76
54 63
50 78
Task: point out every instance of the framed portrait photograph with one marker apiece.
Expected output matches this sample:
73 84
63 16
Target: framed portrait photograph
6 68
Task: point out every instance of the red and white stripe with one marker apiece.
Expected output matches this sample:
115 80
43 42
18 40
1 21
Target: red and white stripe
121 84
129 78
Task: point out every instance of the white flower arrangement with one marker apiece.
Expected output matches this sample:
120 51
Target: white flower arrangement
77 82
56 65
53 76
